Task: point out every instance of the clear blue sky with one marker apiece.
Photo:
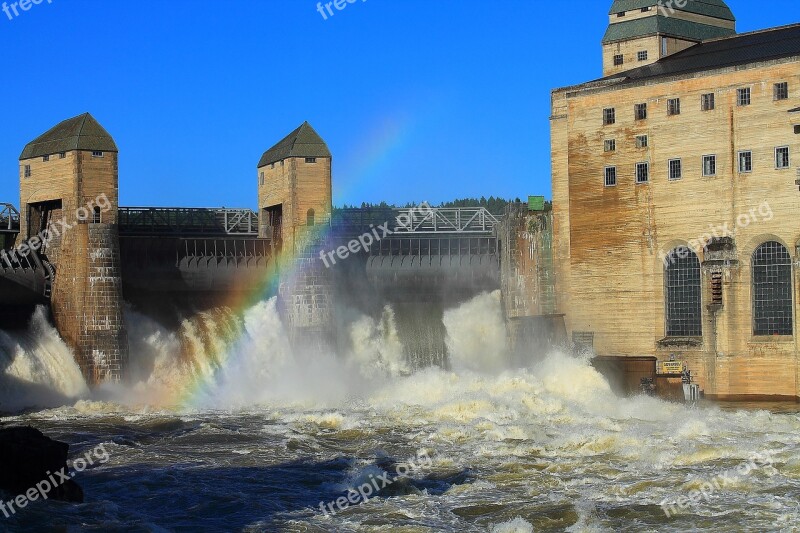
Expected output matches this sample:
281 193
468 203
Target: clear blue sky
417 99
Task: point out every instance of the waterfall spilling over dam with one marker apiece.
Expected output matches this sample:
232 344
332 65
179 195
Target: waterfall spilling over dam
222 359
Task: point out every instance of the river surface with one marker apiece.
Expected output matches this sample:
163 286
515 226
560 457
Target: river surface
226 430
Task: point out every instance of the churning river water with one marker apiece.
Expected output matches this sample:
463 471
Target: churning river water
226 430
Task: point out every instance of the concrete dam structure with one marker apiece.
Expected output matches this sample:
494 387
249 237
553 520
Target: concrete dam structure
71 246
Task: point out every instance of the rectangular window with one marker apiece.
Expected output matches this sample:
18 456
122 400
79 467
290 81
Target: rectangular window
782 91
642 172
642 55
311 159
664 46
46 158
611 176
782 157
62 155
797 130
618 60
97 154
261 178
743 97
674 106
709 165
609 145
620 14
27 171
640 111
641 141
707 102
746 161
609 116
675 169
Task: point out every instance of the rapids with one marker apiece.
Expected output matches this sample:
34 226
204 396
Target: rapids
223 428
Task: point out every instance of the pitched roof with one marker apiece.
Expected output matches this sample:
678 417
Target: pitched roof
302 142
78 133
670 26
764 45
711 8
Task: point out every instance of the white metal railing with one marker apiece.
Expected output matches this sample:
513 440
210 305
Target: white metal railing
9 218
430 220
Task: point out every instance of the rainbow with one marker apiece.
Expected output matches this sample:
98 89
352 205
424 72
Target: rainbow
378 150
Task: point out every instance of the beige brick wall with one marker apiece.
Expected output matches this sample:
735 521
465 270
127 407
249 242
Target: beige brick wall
608 239
299 186
87 291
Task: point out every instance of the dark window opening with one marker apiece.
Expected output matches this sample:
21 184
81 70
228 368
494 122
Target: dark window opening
609 116
642 172
611 176
311 159
707 102
683 294
96 216
618 60
716 288
743 97
772 290
310 217
782 91
641 111
674 106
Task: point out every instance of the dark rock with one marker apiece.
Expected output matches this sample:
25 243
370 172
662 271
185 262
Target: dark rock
29 459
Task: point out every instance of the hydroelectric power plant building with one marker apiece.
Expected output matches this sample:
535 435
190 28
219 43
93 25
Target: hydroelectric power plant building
675 197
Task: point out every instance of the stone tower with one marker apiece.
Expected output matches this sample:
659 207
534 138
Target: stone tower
641 32
294 200
68 209
294 187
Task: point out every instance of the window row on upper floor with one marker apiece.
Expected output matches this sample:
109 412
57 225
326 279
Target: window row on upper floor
707 103
675 167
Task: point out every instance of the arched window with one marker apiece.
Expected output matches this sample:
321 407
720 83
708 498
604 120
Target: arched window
310 217
683 295
96 218
772 290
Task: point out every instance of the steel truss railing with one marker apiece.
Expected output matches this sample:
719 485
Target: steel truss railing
187 221
9 218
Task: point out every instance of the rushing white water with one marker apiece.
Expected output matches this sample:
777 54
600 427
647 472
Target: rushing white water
38 369
224 419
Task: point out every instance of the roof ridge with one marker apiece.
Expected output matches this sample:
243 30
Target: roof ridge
754 32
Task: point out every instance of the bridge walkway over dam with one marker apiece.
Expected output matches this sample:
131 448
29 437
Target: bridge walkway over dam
193 250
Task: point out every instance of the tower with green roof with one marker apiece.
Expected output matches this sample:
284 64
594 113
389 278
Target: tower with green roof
641 32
